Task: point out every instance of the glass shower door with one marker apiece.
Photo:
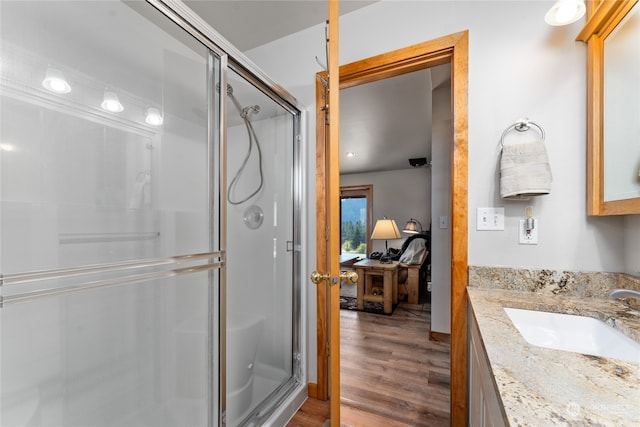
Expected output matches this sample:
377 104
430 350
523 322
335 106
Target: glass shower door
262 304
109 217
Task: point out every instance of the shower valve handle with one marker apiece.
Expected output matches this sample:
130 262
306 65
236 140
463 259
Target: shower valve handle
350 276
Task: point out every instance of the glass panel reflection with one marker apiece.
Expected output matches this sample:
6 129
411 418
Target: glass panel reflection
260 212
105 159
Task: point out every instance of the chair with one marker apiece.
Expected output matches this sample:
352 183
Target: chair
413 275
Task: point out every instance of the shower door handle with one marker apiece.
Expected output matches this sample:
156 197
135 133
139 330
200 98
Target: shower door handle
350 276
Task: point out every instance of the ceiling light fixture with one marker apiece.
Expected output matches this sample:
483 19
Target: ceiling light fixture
351 154
154 117
111 102
54 81
565 12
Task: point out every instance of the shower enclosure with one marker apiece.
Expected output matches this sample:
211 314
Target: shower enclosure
149 222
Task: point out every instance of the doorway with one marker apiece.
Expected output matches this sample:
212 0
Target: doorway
449 49
384 124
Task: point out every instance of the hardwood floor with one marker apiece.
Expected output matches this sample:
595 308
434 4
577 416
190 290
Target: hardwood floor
391 374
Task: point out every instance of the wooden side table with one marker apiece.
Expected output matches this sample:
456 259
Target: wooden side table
416 283
369 268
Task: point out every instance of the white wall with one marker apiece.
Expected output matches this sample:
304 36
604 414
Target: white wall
518 66
441 207
632 245
258 263
399 195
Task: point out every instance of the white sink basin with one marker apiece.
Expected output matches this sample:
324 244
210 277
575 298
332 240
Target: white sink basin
578 334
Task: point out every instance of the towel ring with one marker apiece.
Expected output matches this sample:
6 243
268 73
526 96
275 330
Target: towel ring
521 125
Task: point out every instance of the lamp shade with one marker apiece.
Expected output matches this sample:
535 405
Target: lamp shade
413 226
385 229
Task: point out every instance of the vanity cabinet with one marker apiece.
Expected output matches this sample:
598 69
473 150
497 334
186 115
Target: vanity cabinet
485 406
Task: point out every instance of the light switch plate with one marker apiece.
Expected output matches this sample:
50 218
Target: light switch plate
490 219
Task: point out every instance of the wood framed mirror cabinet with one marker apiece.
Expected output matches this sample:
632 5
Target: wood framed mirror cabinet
612 34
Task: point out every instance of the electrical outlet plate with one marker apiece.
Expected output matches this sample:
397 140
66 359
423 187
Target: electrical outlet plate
490 219
530 238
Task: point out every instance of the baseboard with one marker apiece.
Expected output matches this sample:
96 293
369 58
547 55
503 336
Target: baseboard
439 337
312 390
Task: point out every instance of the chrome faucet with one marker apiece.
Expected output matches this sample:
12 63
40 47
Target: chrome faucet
624 293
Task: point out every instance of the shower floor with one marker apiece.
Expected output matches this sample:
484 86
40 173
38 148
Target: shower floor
262 387
193 412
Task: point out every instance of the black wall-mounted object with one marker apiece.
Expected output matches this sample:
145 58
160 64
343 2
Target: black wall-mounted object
418 162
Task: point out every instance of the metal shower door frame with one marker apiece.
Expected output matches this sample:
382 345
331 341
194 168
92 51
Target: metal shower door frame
230 58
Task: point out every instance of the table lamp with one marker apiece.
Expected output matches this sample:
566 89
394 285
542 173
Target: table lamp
413 226
385 229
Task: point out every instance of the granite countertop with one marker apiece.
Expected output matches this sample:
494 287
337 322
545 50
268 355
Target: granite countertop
544 387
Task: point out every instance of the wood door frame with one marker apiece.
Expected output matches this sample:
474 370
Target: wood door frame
453 49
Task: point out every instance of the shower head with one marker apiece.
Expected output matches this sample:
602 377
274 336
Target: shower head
229 89
244 112
255 109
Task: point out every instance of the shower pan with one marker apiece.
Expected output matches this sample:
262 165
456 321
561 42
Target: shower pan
150 225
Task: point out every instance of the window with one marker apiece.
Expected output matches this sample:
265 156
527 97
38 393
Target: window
355 219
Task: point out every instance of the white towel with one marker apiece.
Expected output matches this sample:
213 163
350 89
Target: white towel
414 252
524 170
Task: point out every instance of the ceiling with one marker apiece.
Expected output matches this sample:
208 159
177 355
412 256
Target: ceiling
384 123
252 23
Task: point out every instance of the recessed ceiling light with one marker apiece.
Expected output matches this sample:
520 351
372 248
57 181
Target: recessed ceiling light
351 154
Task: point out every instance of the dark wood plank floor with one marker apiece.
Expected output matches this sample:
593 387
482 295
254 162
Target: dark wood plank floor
391 374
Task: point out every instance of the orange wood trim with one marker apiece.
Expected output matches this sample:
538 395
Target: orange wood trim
592 5
603 19
321 238
412 58
439 337
455 49
595 190
459 232
620 207
333 193
312 390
